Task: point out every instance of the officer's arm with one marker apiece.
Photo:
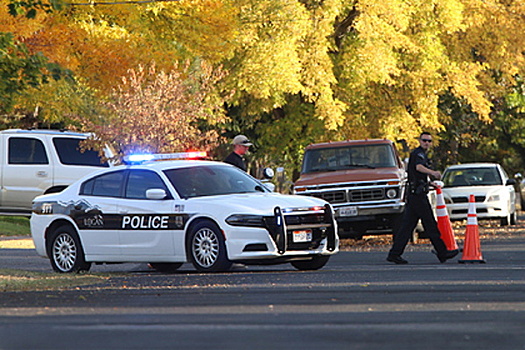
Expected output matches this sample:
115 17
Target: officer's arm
423 169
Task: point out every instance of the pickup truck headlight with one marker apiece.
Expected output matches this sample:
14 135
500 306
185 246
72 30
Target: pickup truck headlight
391 193
245 220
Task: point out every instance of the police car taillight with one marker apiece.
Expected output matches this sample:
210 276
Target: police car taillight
141 158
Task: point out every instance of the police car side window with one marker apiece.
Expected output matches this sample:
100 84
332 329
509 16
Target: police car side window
106 185
139 181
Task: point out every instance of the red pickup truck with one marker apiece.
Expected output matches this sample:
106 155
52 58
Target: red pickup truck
364 180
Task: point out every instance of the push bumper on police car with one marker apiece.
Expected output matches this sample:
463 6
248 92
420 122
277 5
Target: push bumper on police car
287 235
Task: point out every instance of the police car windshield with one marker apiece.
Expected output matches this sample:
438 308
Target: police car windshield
205 180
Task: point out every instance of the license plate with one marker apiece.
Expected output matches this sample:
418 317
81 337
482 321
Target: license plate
348 211
302 236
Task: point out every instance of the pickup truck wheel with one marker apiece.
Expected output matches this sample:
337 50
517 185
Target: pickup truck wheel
65 251
206 248
313 264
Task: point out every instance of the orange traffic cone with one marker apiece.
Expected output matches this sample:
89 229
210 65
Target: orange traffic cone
443 221
472 247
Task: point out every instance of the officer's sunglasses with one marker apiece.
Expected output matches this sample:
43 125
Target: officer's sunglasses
426 140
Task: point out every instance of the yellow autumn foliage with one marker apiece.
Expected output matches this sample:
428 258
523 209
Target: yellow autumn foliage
368 68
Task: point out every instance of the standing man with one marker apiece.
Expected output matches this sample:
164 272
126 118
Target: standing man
418 206
241 144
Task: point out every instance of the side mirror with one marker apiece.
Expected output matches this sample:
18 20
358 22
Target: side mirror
510 182
155 193
268 173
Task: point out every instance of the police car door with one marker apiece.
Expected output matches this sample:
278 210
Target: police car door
97 215
147 228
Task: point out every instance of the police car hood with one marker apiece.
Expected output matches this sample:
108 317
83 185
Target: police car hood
254 203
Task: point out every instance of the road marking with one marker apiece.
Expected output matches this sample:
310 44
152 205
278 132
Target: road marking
269 309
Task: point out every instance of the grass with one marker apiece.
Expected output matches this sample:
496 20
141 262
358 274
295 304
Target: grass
18 281
14 226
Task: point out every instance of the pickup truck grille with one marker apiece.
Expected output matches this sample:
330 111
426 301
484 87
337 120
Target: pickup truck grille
366 195
361 195
332 197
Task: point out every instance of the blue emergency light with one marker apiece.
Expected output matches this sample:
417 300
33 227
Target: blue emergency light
147 157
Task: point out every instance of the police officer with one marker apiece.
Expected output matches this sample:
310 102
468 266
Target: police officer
241 144
418 206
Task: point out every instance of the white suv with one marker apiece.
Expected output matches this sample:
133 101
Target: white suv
35 162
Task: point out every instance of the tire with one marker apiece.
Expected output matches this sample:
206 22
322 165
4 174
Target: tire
513 218
166 267
315 263
65 251
206 248
506 220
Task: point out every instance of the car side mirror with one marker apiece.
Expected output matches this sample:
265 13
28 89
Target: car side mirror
268 173
155 193
510 182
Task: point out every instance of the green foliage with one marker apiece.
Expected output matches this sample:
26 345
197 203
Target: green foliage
18 70
29 8
22 72
466 138
14 226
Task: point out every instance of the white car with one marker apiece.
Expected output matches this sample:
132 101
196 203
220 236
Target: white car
166 213
493 190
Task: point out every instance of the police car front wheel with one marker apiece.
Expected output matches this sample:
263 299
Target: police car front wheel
166 267
206 247
65 251
315 263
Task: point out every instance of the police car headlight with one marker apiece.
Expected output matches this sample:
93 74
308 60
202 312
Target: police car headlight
391 193
245 220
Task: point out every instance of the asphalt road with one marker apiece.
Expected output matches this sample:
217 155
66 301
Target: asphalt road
358 301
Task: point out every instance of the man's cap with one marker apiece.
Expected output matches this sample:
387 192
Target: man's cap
241 140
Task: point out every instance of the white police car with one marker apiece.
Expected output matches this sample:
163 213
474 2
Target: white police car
171 212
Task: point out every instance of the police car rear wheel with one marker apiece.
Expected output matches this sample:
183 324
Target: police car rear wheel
166 267
207 249
65 251
313 264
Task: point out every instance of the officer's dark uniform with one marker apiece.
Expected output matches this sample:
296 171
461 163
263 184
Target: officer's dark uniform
235 159
418 207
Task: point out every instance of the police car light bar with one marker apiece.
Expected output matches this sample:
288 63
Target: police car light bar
141 158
